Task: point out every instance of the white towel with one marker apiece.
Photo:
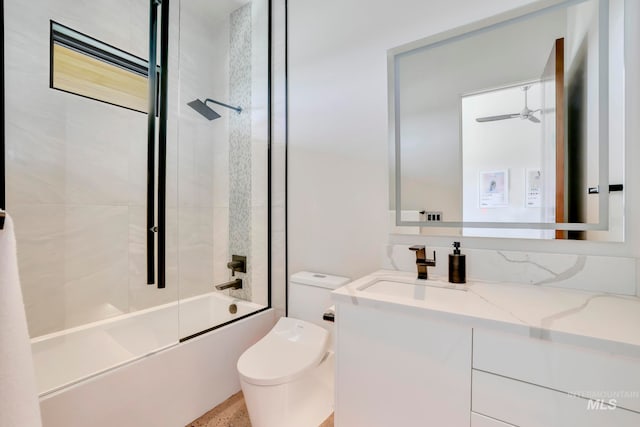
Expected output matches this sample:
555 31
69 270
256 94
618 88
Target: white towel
19 404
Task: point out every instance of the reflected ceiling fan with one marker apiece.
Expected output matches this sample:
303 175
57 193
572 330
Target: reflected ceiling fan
525 114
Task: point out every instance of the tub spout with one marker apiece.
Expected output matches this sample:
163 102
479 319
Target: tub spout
234 284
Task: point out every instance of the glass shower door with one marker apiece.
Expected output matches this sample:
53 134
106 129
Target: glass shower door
76 174
222 151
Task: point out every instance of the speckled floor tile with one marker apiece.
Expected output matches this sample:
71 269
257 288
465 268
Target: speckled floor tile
328 422
233 413
230 413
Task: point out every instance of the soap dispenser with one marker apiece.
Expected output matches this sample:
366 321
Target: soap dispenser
457 265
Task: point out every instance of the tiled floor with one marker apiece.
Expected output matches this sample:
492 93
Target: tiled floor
233 413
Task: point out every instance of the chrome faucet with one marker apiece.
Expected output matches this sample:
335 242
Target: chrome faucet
422 262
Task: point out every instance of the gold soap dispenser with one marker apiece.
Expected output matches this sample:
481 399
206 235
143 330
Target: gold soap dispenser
457 265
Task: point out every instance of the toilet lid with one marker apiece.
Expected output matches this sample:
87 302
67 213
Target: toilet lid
290 349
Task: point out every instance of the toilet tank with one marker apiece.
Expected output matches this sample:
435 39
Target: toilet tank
310 295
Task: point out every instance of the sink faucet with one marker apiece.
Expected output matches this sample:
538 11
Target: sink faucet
422 262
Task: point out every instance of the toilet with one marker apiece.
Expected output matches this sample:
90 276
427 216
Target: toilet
287 377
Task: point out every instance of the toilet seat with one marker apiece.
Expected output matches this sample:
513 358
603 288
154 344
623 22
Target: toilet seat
290 349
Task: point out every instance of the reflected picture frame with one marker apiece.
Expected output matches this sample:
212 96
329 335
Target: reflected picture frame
493 189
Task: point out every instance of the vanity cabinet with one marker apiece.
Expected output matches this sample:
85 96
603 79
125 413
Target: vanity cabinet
478 420
528 405
532 382
411 354
395 369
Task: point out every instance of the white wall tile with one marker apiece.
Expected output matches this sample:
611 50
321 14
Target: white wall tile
220 141
221 253
35 163
191 184
259 255
40 246
196 254
259 174
63 148
142 295
137 159
97 141
35 132
96 243
138 26
105 20
173 253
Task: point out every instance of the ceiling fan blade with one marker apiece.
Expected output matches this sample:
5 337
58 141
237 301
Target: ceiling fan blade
534 119
494 118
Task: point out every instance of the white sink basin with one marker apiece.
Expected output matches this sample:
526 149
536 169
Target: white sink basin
416 289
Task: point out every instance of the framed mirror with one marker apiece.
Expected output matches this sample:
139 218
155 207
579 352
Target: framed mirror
512 126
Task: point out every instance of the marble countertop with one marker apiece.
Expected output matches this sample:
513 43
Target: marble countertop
605 322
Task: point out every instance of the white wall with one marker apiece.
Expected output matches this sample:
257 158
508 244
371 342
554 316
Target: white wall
338 168
338 131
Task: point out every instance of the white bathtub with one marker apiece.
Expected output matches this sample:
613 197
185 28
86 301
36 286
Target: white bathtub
67 357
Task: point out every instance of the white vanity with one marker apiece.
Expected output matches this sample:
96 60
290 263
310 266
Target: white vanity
423 353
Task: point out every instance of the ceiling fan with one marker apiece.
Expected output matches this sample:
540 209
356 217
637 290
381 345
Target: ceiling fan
525 114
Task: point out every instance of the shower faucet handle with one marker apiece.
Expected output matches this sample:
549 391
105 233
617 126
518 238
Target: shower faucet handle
238 264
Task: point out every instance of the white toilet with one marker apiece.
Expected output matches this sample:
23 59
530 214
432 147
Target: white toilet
287 377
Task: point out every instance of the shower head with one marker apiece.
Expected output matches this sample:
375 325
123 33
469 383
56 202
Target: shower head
202 108
207 112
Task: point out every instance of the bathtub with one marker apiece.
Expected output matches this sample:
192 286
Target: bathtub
73 355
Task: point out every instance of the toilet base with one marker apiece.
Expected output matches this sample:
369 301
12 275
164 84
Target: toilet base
304 402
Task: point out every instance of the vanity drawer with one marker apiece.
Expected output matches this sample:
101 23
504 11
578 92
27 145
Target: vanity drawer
478 420
562 367
527 405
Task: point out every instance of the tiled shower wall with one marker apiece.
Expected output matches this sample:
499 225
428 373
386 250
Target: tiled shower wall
260 153
75 187
203 153
76 168
240 143
249 148
222 164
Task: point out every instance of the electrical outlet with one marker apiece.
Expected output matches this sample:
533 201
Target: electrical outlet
432 216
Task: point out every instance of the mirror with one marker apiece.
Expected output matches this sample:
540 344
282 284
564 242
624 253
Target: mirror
513 126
